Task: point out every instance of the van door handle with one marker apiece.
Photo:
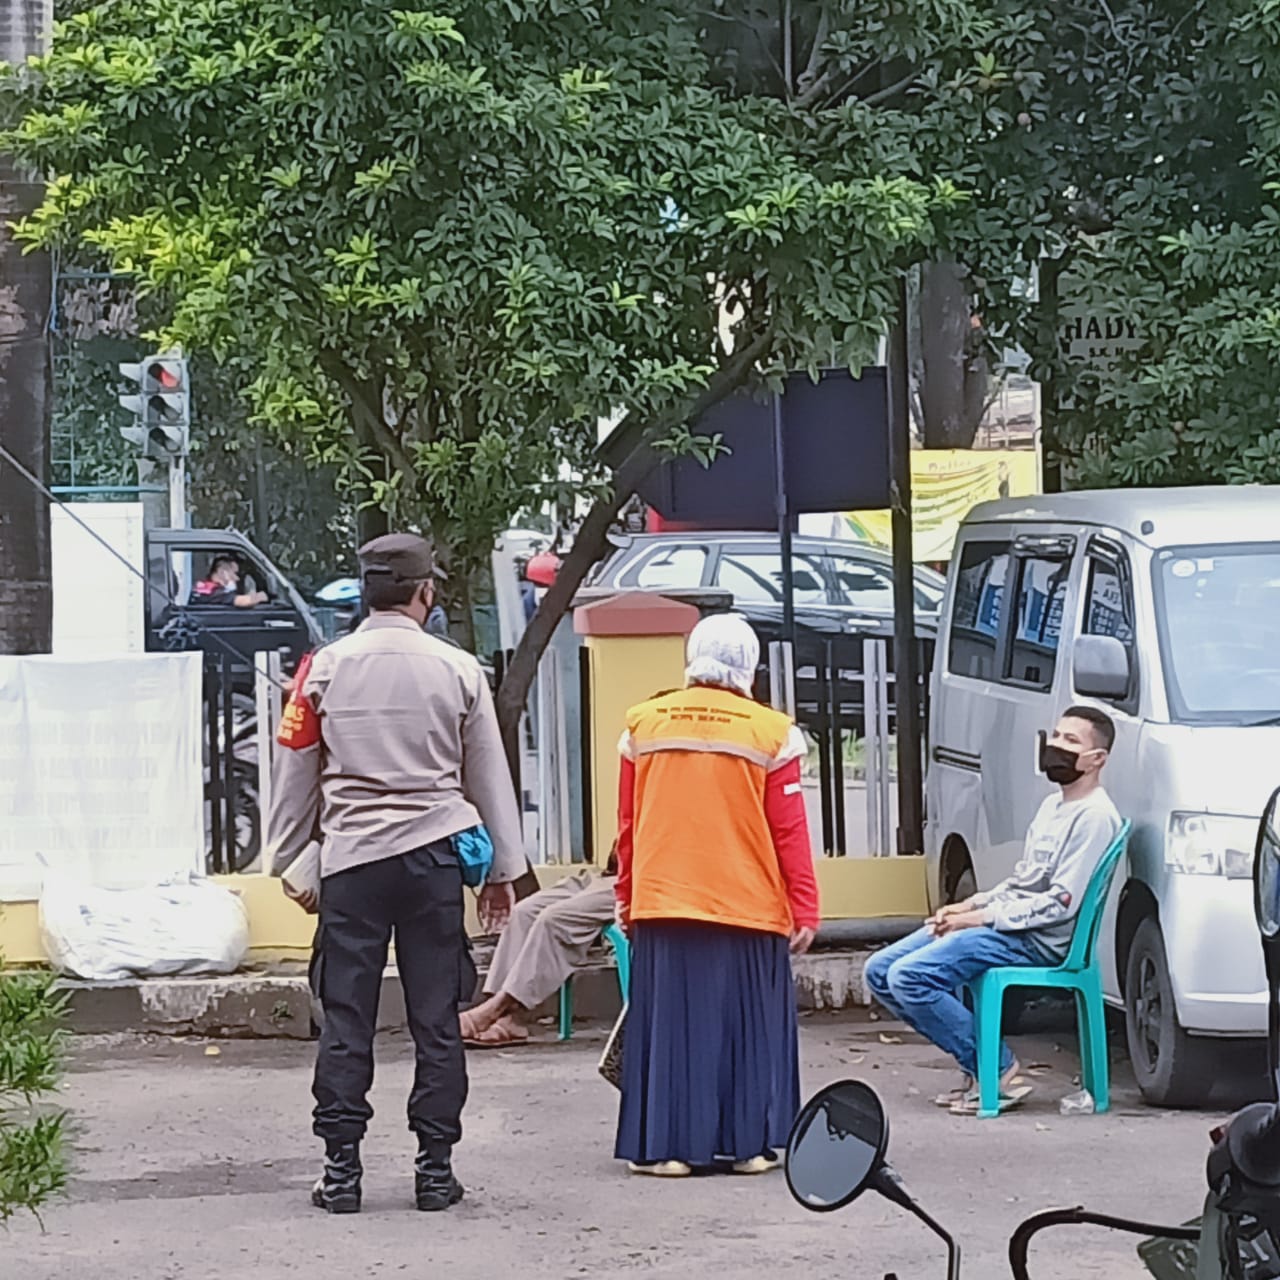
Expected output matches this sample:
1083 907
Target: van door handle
278 624
957 759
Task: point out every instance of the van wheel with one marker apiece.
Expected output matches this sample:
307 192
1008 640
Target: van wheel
1170 1066
965 886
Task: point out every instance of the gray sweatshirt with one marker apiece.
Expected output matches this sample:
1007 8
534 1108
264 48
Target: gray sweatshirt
406 752
1065 843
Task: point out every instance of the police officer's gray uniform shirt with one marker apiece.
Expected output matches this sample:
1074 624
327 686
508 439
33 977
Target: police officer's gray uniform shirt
409 753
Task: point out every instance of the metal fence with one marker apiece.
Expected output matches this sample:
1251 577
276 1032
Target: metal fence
233 814
842 688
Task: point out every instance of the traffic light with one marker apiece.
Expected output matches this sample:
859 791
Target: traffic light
161 406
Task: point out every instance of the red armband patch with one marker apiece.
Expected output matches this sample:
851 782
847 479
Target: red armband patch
300 723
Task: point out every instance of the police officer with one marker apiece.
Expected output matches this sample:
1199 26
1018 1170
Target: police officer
390 745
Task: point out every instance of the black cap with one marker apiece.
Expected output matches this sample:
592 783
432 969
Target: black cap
399 557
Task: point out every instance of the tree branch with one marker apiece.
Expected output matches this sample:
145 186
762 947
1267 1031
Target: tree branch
810 72
892 91
368 418
788 48
812 95
592 537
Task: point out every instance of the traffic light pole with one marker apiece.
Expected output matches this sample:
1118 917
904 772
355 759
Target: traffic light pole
177 493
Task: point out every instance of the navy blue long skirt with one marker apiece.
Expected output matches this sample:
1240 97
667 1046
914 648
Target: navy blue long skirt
710 1059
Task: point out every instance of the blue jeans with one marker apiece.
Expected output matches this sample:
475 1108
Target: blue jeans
918 978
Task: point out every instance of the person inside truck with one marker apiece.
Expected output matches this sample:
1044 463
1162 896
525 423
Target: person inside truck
222 586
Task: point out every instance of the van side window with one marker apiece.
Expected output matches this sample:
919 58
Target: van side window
1042 590
1110 610
979 605
1109 607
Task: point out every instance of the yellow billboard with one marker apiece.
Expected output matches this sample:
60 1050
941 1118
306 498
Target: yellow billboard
946 484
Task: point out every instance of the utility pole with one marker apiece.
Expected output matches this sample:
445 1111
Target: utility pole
906 654
26 296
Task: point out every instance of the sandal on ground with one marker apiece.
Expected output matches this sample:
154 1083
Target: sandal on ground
765 1163
949 1099
661 1169
1011 1097
497 1036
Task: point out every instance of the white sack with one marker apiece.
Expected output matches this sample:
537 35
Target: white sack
186 925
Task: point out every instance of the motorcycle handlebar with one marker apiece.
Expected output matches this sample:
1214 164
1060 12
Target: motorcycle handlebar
1020 1241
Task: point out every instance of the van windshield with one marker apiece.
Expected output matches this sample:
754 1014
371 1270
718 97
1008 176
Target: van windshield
1219 629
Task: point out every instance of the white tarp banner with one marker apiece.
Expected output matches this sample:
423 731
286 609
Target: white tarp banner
101 770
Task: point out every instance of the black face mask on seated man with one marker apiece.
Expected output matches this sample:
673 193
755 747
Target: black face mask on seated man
1059 765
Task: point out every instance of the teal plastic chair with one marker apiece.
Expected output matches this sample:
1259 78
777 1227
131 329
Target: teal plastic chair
1078 973
622 958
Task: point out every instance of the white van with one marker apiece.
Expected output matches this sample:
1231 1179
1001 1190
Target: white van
1163 608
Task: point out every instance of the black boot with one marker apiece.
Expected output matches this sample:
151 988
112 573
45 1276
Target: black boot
433 1181
339 1190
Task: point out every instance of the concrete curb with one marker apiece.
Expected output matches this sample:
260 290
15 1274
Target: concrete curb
278 1005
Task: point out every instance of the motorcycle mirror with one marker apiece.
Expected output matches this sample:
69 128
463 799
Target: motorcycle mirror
836 1152
1266 877
1266 909
836 1146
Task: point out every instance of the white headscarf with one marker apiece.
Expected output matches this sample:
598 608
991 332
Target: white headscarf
724 651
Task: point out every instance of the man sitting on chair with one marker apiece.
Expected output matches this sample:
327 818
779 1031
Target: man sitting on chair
1025 920
545 939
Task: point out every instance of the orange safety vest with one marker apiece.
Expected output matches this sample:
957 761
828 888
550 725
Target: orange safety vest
702 849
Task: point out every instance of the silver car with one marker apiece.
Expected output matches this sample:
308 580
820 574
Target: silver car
833 578
1162 607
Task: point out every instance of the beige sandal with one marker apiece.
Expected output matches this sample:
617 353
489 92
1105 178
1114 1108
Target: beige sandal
662 1169
949 1099
501 1035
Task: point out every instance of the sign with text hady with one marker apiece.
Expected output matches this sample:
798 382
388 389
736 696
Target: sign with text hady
1090 336
835 447
101 771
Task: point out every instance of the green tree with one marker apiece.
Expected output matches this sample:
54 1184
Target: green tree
32 1164
1157 146
517 218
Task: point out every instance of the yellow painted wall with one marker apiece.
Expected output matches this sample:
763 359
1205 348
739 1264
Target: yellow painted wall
20 933
870 888
852 888
278 928
624 670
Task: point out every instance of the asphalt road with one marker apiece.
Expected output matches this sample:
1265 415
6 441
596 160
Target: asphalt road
195 1160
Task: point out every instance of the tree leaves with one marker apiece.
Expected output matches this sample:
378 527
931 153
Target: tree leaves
447 242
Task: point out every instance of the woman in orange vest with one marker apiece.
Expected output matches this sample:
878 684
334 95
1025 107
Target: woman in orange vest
717 891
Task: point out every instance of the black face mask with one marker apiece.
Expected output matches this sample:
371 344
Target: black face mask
1059 765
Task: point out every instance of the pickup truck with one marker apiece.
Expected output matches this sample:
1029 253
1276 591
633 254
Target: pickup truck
177 558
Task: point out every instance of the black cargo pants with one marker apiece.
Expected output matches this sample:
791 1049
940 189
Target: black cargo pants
418 895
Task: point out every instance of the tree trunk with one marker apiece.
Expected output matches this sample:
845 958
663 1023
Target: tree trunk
953 391
462 596
587 548
26 592
592 540
371 522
